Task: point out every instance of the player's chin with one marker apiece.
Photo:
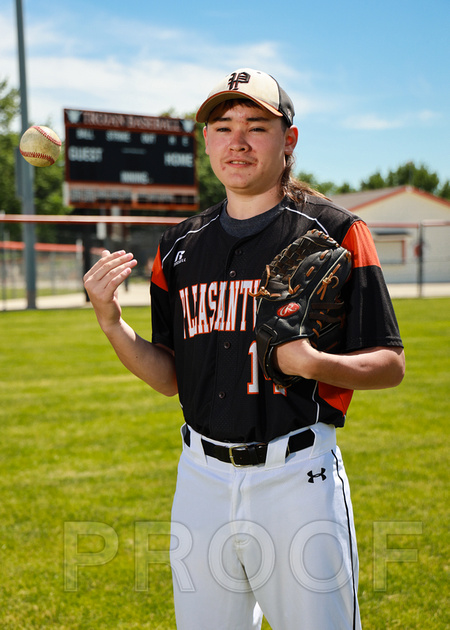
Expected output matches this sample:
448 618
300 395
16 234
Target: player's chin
246 184
238 175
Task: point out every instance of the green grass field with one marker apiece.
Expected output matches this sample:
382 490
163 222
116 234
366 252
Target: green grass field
89 453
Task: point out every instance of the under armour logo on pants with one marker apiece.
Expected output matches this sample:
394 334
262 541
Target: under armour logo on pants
312 477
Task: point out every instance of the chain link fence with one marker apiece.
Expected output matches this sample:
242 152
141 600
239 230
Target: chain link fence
410 253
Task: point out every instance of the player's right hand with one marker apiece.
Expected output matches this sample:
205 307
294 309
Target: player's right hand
102 281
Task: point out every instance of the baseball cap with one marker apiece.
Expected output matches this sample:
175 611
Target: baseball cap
255 85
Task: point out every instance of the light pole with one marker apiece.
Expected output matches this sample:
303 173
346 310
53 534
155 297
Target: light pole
25 177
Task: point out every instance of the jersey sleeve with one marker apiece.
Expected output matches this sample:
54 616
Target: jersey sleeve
162 329
371 319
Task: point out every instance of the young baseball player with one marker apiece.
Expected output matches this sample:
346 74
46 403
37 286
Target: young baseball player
262 516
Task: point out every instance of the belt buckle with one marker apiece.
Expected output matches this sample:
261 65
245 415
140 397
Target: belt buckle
242 447
248 448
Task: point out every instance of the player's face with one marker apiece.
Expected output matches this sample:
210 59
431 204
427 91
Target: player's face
247 147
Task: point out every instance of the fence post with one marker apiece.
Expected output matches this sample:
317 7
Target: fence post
2 238
87 243
420 261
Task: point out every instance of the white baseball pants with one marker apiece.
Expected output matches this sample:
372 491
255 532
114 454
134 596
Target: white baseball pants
277 539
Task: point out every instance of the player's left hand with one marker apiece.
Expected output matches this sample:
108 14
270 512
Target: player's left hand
296 358
369 368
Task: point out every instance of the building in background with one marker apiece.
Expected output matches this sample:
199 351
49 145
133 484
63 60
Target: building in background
411 230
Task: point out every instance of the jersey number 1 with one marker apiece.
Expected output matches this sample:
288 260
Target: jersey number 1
253 384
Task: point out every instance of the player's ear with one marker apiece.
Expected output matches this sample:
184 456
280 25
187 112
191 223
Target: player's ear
290 140
205 135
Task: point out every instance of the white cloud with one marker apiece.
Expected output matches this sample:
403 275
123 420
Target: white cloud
148 87
428 116
375 122
8 39
131 67
370 122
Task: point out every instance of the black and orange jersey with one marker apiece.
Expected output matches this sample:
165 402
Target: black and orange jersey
202 310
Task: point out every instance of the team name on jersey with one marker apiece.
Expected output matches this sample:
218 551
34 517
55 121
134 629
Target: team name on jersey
218 306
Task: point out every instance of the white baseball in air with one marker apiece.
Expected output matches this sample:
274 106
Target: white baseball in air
40 146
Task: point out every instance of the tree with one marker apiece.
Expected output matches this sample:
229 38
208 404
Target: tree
48 199
326 188
444 191
410 175
375 181
344 188
9 108
211 191
407 174
48 182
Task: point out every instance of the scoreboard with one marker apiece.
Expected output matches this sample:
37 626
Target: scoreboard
129 161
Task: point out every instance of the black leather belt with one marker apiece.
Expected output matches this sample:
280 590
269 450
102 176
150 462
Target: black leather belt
251 454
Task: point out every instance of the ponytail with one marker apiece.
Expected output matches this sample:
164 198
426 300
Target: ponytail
294 189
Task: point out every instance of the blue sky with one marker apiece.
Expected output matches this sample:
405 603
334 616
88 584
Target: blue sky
370 80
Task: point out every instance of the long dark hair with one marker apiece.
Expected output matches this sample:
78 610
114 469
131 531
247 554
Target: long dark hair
293 188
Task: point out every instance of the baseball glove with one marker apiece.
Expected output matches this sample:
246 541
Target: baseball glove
299 296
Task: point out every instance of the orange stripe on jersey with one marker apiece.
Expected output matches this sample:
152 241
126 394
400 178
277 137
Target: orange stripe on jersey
335 396
359 242
158 276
